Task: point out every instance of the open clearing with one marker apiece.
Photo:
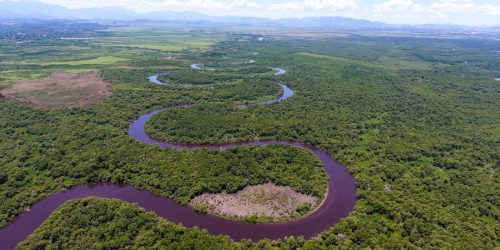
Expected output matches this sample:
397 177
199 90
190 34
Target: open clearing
267 201
60 90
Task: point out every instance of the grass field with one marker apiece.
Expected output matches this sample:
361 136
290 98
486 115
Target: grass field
103 60
382 62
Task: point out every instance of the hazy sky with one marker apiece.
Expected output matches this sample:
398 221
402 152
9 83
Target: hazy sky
470 12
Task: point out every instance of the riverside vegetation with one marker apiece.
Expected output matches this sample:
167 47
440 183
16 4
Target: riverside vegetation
416 126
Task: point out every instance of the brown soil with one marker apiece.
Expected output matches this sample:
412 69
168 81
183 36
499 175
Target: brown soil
275 203
60 90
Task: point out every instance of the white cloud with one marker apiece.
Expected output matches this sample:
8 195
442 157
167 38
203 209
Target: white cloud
172 5
329 4
464 6
285 6
467 12
307 5
393 5
441 7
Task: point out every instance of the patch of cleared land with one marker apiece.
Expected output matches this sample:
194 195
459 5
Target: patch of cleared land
261 203
60 90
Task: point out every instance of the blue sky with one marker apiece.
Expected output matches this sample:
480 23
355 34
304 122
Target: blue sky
468 12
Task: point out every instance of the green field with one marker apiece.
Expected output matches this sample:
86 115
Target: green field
102 60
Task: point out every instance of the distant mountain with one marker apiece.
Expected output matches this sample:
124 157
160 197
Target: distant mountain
334 21
172 15
38 10
25 9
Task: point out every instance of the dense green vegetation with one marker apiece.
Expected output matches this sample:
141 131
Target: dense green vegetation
304 208
200 208
175 124
197 77
119 225
416 125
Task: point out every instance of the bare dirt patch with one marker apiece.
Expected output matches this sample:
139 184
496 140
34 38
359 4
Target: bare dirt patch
60 90
266 203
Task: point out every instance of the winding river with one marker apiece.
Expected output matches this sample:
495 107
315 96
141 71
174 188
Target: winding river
338 203
154 79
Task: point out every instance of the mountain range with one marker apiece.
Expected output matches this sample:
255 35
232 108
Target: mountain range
27 9
30 9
